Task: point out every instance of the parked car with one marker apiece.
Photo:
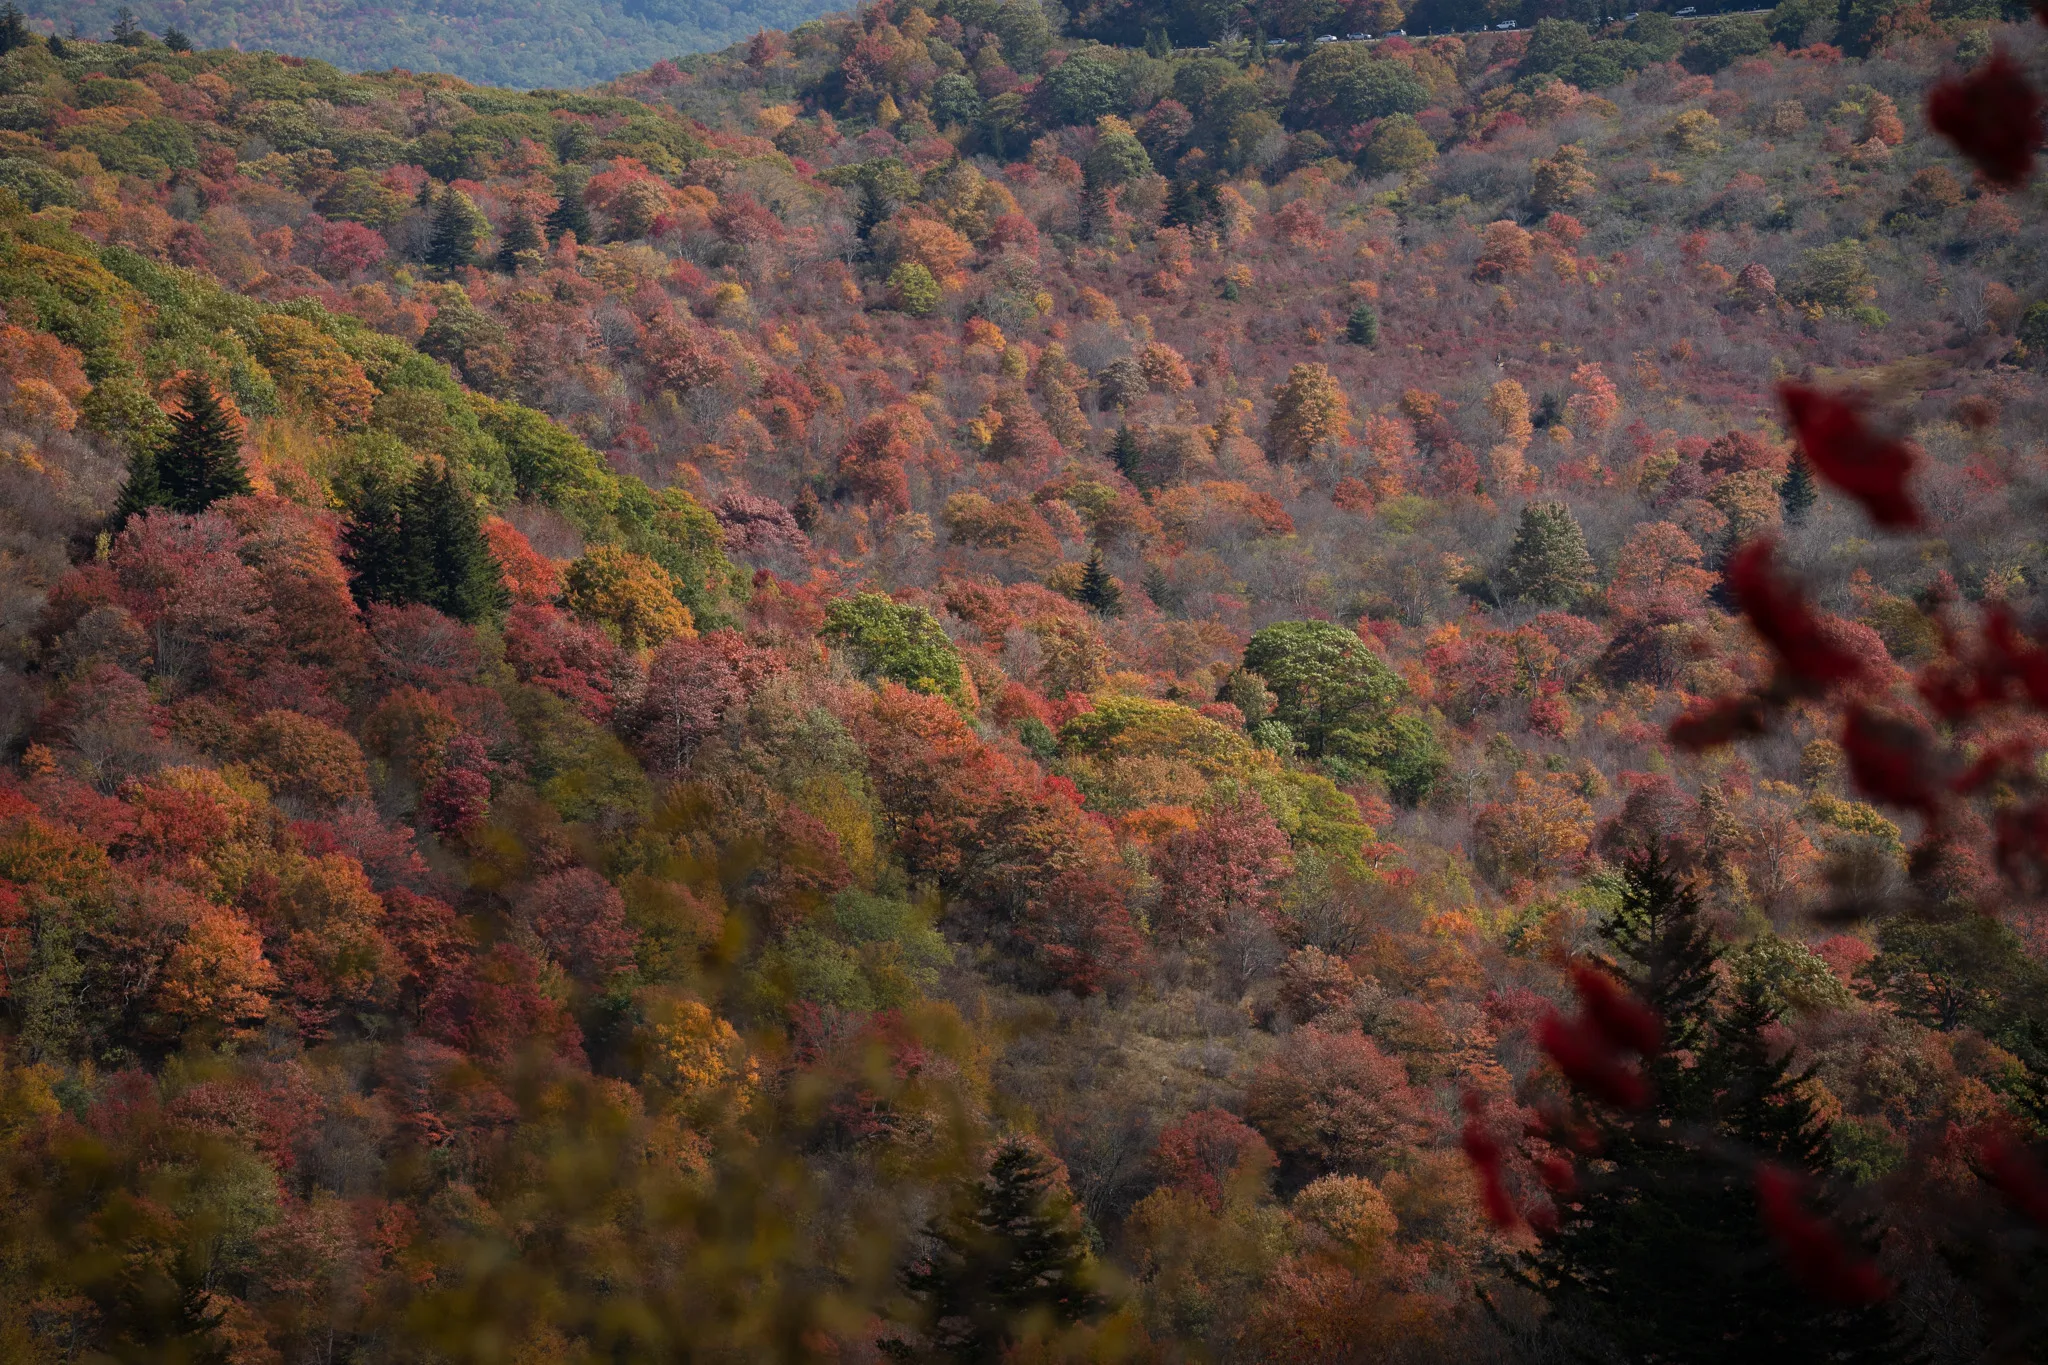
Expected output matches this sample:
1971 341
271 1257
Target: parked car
1327 38
1505 23
1356 37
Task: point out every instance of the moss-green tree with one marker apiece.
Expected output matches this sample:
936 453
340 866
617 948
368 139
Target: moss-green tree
913 289
1323 678
1548 564
892 640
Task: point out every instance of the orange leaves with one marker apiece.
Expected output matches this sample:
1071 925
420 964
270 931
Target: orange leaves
529 576
1993 116
1311 416
1846 451
1505 250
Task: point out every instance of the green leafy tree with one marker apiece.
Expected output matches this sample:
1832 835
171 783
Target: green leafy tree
1084 87
1323 679
1548 563
1118 157
903 643
1398 146
1009 1260
913 289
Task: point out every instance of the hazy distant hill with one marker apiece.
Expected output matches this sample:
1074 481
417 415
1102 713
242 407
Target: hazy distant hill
525 43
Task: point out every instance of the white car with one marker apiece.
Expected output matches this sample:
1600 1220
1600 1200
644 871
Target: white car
1327 38
1356 37
1505 23
1689 9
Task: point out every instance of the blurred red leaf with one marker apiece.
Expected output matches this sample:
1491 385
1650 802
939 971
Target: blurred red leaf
1624 1021
1890 760
1781 615
1723 722
1993 116
1848 453
1810 1246
1591 1063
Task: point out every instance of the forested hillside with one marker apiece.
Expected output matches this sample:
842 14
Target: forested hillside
937 690
522 43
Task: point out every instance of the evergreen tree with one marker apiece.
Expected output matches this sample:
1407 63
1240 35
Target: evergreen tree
1548 564
1362 328
1123 452
1661 1253
127 31
1796 491
1099 592
1669 956
375 547
175 39
59 49
13 28
142 490
522 237
421 541
1011 1250
570 213
200 462
458 226
454 570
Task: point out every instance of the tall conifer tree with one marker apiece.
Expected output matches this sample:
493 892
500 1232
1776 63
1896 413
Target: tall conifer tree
1661 1253
198 463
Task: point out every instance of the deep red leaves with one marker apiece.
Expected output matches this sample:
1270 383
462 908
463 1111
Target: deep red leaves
1781 615
1811 1248
1891 760
1993 116
2018 1176
1848 453
1484 1152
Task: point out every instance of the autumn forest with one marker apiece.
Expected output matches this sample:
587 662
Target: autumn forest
989 683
